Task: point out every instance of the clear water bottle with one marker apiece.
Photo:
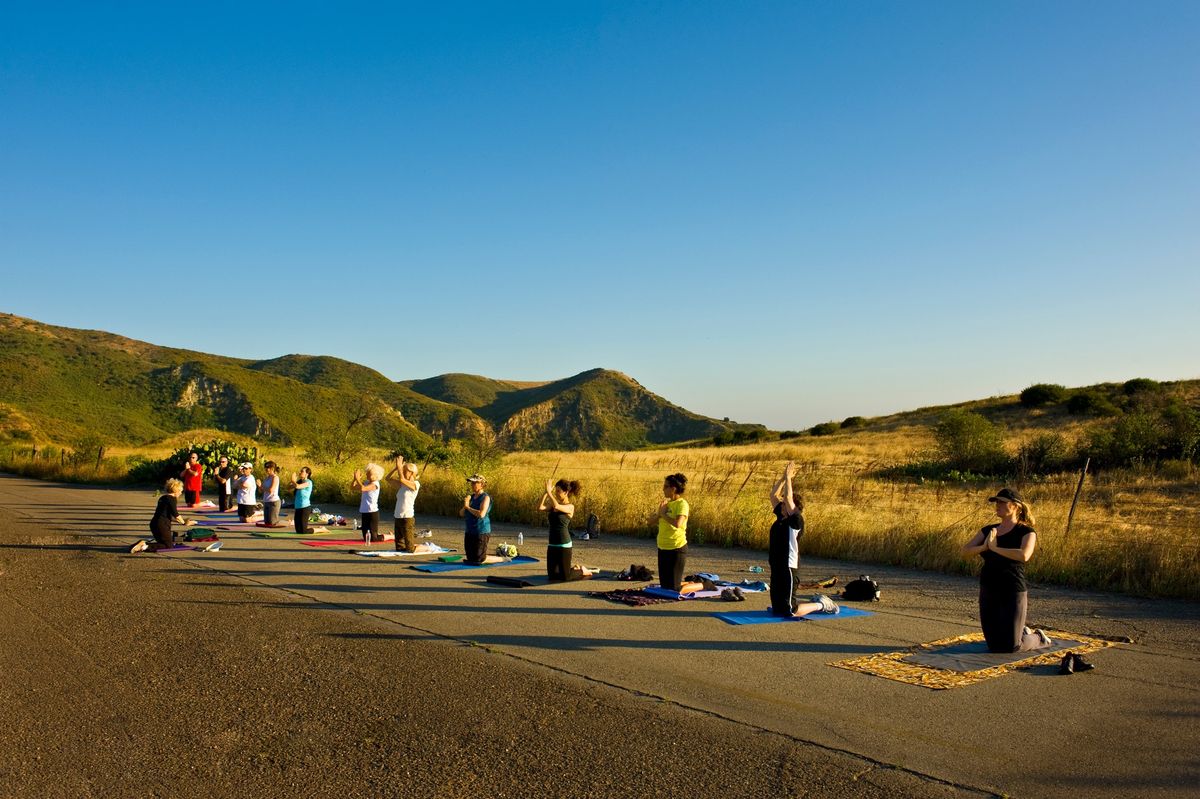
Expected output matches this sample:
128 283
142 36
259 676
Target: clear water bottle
520 539
756 569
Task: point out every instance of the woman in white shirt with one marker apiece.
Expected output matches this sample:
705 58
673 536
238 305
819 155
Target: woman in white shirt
271 501
245 485
407 486
368 505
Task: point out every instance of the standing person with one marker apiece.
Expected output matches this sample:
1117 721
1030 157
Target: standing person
407 485
245 486
368 504
302 501
166 513
271 500
672 519
224 477
1003 592
476 507
193 480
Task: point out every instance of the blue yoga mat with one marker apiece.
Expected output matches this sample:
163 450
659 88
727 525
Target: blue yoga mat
763 617
435 568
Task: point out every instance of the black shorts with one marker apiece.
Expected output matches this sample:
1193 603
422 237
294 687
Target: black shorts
476 546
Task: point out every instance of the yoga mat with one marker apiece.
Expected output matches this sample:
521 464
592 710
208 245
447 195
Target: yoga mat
436 568
391 553
176 548
260 533
340 542
666 593
973 655
279 526
763 617
511 582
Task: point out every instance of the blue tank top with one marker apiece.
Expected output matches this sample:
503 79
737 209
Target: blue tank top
303 495
478 525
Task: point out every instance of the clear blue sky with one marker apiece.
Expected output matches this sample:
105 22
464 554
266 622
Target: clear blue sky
779 212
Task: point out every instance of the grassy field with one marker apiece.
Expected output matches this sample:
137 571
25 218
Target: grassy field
1134 531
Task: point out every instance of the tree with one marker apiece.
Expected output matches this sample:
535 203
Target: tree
968 441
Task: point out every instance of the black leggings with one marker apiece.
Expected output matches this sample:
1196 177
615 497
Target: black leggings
370 524
558 565
163 534
785 580
1002 616
191 497
671 563
300 517
224 501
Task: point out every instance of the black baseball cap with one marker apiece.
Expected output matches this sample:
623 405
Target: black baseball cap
1007 495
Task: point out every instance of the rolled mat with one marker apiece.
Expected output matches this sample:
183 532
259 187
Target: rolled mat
511 582
765 617
434 568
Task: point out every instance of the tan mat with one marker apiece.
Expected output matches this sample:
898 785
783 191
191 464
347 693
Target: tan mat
907 666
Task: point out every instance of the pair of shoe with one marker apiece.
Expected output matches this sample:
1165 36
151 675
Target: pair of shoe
827 604
140 546
733 594
1072 663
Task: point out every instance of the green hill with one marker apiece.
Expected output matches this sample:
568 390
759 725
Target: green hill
60 384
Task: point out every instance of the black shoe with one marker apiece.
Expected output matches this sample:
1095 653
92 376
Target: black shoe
1079 664
1068 664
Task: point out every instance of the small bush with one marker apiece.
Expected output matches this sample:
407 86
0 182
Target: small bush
1048 453
1040 394
786 434
824 429
969 442
1091 403
1177 469
1139 385
1133 440
853 421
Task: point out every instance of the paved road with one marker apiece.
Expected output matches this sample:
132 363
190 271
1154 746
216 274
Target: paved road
553 682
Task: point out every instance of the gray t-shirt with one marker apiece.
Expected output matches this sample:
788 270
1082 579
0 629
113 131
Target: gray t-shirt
406 499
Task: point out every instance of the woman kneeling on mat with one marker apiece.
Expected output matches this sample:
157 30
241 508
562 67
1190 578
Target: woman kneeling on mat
302 500
246 485
407 485
672 532
166 513
271 501
478 534
368 505
558 502
1003 593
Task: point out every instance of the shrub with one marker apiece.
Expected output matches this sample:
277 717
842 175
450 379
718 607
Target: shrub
1090 402
853 421
969 442
1048 453
786 434
1139 385
1040 394
824 429
1132 440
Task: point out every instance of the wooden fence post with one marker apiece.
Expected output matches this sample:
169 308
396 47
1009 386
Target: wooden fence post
1075 499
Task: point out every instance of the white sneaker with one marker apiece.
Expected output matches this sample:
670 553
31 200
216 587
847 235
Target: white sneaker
425 534
215 546
827 604
140 546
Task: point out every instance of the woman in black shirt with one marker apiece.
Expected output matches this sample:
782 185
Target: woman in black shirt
559 504
1003 593
166 513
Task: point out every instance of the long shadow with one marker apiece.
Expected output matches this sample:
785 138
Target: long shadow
578 644
409 589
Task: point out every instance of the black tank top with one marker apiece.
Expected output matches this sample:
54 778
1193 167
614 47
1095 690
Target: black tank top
999 572
560 527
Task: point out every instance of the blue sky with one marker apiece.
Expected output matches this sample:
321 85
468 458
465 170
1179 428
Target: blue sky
777 212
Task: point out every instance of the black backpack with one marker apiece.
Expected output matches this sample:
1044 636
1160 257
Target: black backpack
864 589
593 526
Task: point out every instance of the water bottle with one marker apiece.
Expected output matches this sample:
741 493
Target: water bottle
520 539
756 569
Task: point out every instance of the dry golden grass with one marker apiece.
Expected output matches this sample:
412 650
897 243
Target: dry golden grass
1133 531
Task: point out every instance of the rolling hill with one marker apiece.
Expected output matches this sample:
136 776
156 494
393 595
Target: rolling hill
59 384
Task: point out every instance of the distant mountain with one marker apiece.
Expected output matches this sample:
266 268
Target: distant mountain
59 384
597 409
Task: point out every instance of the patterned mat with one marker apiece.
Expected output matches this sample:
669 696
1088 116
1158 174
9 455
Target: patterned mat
896 666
